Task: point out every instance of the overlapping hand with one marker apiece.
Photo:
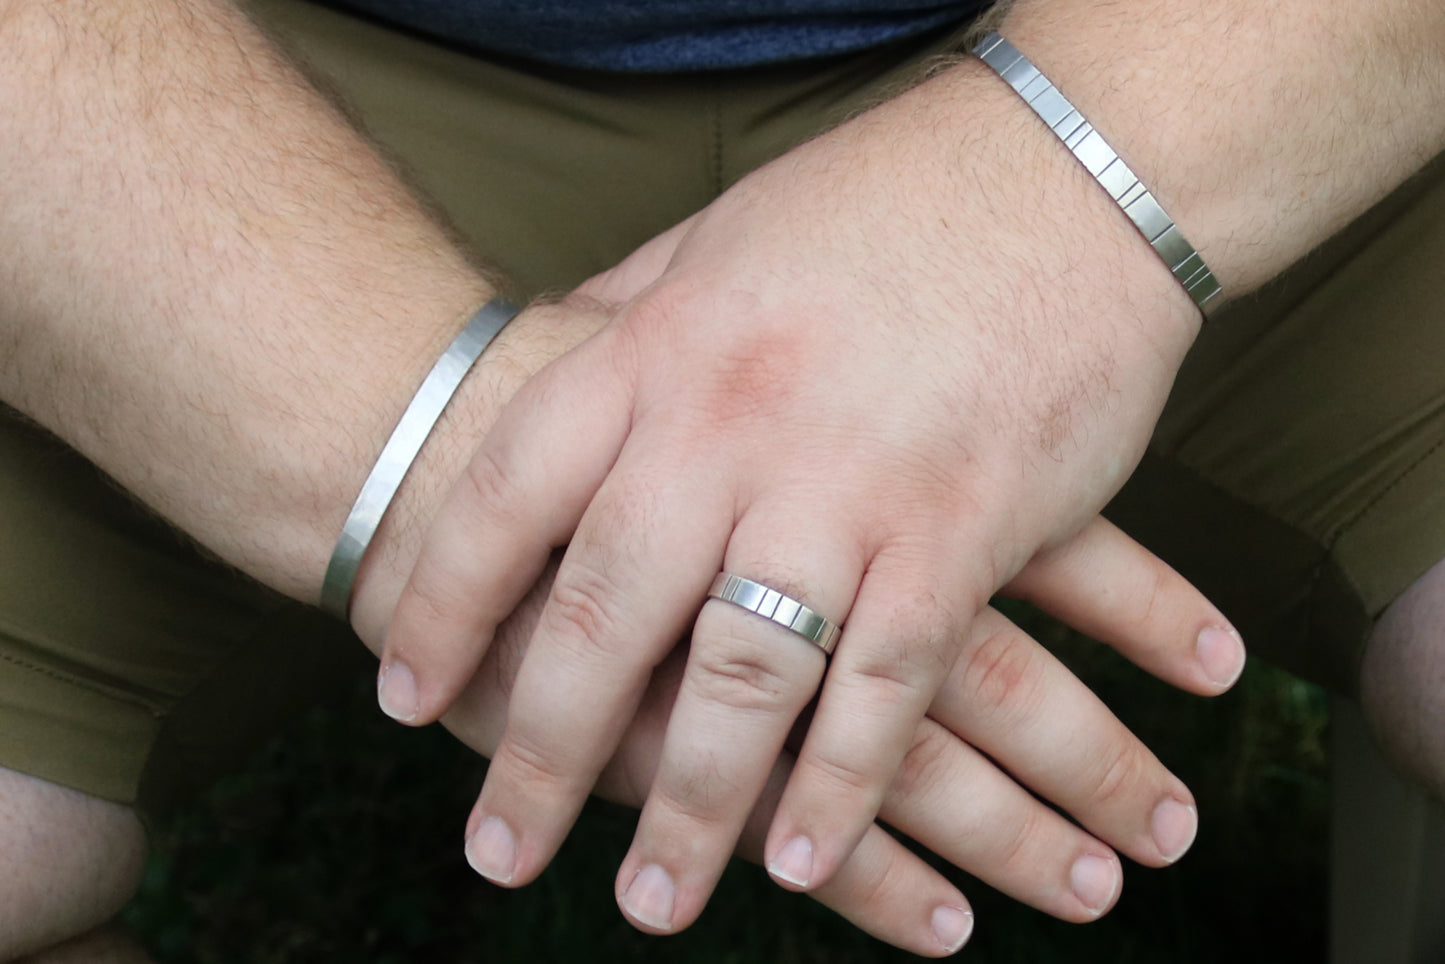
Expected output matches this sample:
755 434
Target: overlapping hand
888 398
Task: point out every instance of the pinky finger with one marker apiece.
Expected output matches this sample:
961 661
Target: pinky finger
883 888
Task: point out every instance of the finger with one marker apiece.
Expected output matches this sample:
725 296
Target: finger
522 493
948 797
956 803
1012 699
629 585
895 652
884 888
479 714
746 681
1107 586
888 891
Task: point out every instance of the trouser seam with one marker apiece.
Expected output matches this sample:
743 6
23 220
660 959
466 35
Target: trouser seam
715 103
109 692
1355 520
1344 528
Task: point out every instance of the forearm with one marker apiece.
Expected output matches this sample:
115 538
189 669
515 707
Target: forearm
1261 128
212 286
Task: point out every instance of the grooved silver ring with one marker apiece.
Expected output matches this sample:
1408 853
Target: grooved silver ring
777 607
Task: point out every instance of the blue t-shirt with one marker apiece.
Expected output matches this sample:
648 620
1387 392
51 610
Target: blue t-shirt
668 35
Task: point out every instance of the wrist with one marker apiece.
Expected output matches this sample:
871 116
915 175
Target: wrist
404 445
1103 163
537 335
1262 130
1054 226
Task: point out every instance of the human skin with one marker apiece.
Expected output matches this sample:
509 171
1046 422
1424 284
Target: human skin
880 374
213 288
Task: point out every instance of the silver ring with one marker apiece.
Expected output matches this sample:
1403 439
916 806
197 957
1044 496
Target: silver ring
781 609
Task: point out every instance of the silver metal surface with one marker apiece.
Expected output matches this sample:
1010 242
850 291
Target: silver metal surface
1103 162
776 607
401 450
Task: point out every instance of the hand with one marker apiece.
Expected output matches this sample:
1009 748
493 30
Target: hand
948 796
881 375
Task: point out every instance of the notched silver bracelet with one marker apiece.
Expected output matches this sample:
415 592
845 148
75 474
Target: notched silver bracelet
1106 166
401 449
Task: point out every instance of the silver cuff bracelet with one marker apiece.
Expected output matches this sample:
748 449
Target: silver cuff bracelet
401 450
1107 168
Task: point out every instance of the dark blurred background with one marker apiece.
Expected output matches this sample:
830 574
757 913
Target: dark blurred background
342 841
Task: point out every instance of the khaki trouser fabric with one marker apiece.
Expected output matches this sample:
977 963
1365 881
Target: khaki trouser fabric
1297 476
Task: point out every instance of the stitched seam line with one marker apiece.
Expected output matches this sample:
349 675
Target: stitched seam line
1370 506
717 143
1311 618
98 689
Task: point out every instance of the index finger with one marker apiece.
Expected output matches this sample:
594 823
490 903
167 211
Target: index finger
1107 586
522 494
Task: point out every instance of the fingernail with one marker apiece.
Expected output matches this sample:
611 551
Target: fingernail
650 896
1174 825
1095 881
952 926
492 851
794 863
396 691
1221 653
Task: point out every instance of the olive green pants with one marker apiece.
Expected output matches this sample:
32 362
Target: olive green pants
1297 476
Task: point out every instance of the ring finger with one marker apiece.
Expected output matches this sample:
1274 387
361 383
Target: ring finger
747 679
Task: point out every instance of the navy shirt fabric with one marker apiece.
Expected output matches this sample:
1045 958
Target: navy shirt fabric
668 35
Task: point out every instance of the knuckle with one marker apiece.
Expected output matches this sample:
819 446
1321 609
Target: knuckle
1002 675
853 777
434 598
697 793
532 768
1149 598
659 312
622 526
889 883
924 760
1016 850
885 688
590 601
491 484
583 609
1118 778
739 676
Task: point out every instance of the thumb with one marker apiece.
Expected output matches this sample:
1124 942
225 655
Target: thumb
638 270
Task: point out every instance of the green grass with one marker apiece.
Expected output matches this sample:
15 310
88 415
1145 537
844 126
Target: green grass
342 842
